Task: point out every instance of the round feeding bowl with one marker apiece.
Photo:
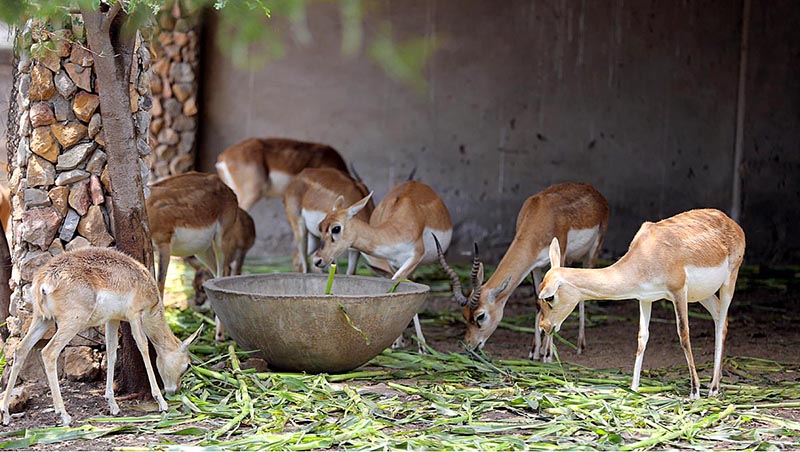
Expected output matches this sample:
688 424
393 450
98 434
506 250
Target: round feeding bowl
296 327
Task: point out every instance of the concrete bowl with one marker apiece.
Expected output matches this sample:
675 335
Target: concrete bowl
296 327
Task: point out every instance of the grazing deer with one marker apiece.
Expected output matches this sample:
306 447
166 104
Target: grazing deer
100 286
577 215
235 244
263 167
686 258
400 230
195 214
308 199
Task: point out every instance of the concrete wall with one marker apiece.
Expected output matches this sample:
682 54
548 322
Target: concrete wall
771 166
637 99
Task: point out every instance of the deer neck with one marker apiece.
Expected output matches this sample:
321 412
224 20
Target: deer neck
158 332
371 239
517 263
618 282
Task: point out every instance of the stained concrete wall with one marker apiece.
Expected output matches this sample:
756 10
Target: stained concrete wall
771 165
635 98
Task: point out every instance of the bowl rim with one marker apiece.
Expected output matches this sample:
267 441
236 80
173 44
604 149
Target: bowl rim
416 288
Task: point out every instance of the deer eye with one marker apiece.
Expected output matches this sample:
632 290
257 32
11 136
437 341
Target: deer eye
549 299
336 229
480 318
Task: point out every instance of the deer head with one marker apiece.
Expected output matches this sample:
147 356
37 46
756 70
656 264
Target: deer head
336 232
481 309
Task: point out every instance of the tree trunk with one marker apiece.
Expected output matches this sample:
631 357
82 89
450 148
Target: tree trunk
5 275
112 42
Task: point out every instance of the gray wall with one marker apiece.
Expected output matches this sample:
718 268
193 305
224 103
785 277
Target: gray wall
771 166
637 99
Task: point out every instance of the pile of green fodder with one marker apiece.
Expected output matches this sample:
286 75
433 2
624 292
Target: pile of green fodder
454 401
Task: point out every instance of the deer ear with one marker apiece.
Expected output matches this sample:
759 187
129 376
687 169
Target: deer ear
480 273
355 208
339 203
548 290
555 254
186 343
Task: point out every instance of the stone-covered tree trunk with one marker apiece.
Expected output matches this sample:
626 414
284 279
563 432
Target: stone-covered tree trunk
122 83
66 160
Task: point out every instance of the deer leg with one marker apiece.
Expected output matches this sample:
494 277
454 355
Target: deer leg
536 349
300 242
64 333
352 261
682 319
164 251
112 340
137 330
35 332
402 273
219 256
721 329
645 309
589 262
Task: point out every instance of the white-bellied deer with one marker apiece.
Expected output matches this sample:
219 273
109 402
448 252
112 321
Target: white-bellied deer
92 287
263 167
308 199
401 230
195 214
577 215
686 258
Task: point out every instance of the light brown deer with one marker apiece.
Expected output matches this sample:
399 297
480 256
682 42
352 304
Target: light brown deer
263 167
400 230
686 258
308 199
195 214
577 215
92 287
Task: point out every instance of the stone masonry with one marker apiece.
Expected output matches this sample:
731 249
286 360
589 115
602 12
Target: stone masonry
58 178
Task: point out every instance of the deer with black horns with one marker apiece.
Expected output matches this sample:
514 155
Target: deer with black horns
576 214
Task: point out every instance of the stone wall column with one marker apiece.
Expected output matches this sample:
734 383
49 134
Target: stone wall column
175 91
59 182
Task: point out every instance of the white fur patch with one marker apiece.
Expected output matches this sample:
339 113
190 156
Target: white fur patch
430 246
225 174
110 305
398 253
580 243
278 182
188 242
702 282
312 219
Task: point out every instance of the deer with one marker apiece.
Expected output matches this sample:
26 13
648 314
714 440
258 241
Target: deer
686 258
307 200
400 230
575 213
90 287
263 167
194 214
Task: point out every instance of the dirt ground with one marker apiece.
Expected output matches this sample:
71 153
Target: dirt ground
763 323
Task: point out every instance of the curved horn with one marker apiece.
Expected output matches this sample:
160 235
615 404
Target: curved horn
459 296
475 297
476 265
